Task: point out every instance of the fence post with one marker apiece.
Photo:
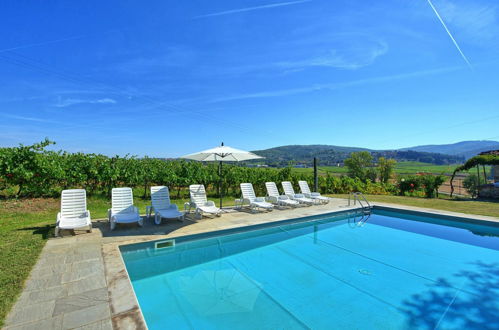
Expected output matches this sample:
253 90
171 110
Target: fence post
316 179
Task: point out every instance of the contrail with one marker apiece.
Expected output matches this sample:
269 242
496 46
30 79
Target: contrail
241 10
450 35
40 43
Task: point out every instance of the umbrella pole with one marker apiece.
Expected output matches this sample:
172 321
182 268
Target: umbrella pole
220 189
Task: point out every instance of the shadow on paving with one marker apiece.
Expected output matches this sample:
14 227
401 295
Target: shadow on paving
149 227
475 306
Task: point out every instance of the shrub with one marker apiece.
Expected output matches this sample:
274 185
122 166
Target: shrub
408 184
430 184
471 184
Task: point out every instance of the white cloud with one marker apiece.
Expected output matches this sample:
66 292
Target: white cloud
350 57
333 86
475 20
33 119
241 10
70 101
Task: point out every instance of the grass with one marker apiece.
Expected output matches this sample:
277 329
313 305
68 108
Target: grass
24 228
25 225
462 205
400 168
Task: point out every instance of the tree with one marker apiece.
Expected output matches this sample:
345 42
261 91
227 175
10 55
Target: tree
358 164
385 169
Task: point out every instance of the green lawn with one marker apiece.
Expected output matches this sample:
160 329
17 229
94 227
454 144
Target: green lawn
25 225
444 203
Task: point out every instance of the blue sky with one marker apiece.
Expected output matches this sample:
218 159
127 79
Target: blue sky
166 78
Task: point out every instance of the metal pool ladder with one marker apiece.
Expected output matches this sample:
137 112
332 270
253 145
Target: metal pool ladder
362 200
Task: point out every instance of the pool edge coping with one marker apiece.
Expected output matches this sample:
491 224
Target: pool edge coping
110 249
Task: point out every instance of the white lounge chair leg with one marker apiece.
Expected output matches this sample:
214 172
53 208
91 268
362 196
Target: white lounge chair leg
112 224
140 222
157 219
56 234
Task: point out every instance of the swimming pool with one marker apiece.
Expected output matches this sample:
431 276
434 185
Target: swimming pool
395 270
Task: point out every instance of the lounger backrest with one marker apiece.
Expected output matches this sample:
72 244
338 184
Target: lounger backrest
248 191
198 194
160 197
305 189
272 189
288 188
121 200
73 203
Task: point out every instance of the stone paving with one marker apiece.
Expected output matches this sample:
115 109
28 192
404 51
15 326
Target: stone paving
80 281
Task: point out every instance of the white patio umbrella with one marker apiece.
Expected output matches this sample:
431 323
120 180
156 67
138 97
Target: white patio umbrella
222 154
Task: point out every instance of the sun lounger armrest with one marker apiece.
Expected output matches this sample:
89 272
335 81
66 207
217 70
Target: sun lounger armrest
260 199
87 214
109 214
58 217
210 203
315 194
173 207
299 195
307 195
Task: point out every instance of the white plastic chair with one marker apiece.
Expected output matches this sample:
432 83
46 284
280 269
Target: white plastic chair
290 192
250 198
123 210
305 189
74 213
161 205
200 202
275 198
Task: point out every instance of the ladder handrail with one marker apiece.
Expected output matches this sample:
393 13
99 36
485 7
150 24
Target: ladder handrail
356 196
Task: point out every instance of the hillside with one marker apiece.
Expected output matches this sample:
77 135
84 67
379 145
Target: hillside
329 155
464 149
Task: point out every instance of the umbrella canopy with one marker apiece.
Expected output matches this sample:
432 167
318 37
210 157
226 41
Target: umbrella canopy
222 154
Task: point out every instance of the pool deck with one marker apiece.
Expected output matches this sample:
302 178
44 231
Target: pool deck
80 281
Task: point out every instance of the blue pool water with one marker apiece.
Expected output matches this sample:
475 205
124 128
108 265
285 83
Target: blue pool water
395 271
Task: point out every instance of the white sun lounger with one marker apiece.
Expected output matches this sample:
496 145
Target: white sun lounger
122 209
161 205
74 213
275 198
250 198
290 192
305 189
200 202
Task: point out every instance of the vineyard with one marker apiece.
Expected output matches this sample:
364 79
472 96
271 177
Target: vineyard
34 171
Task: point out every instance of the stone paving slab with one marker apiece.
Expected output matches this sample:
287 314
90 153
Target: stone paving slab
80 281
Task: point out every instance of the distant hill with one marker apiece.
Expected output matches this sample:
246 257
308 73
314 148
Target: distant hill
466 149
332 155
